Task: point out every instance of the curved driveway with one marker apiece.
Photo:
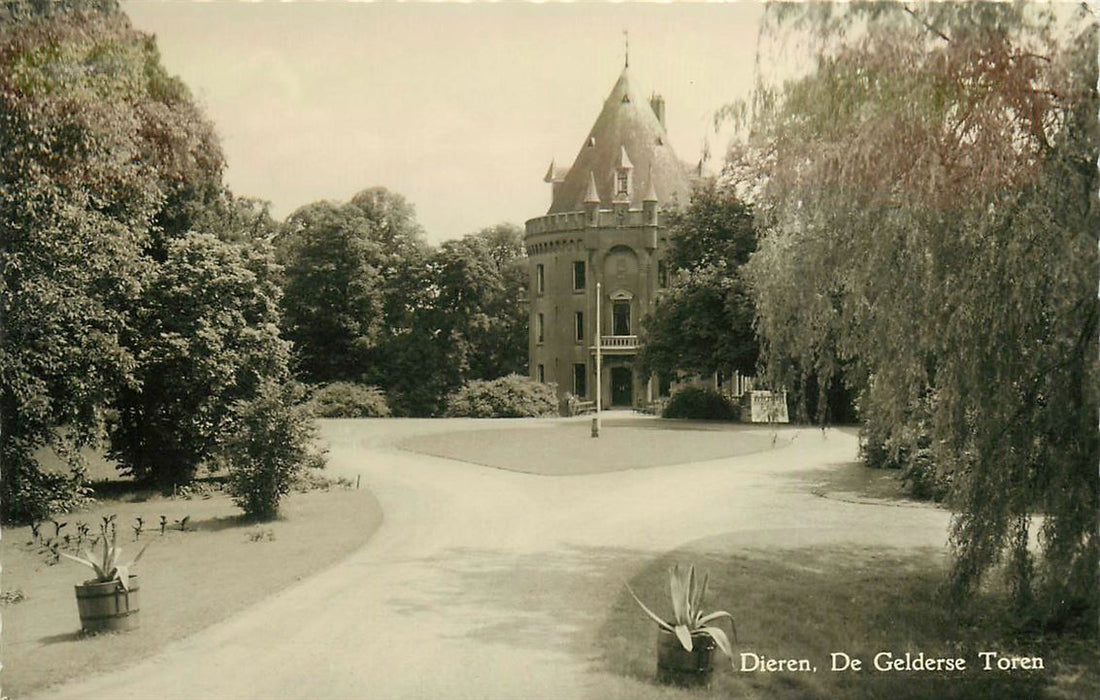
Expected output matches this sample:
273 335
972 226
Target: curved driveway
481 583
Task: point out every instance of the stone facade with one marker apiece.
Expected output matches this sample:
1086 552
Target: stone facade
603 231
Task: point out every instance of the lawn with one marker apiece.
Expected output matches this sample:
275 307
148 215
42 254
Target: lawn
189 579
809 603
567 449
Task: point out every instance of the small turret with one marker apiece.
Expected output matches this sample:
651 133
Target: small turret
649 202
592 201
624 181
555 175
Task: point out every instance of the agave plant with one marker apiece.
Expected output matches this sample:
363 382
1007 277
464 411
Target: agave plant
107 567
688 618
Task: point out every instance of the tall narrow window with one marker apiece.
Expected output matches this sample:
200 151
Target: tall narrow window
579 280
542 374
621 318
624 183
580 380
540 279
539 328
579 326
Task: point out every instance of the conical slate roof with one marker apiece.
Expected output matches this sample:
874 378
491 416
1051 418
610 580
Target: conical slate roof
627 124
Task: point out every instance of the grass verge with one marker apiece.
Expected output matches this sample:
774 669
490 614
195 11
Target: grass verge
810 603
189 579
568 449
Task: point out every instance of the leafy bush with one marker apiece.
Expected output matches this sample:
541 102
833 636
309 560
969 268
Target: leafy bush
269 447
206 331
514 396
697 403
907 448
349 400
30 494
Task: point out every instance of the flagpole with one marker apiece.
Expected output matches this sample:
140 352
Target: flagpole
599 360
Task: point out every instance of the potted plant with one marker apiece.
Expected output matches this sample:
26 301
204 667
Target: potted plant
108 602
685 643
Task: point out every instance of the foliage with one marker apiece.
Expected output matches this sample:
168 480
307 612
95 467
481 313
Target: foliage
30 494
366 300
346 267
688 618
104 157
930 234
348 400
514 396
107 567
482 280
698 403
702 325
269 447
704 322
206 336
715 229
907 448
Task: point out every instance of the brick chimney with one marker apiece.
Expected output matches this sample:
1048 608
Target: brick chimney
658 104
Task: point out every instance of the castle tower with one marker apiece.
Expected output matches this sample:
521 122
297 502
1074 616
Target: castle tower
603 226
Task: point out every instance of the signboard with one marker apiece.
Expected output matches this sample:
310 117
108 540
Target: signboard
768 407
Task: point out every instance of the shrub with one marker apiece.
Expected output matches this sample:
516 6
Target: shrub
31 494
697 403
349 400
514 396
907 448
269 447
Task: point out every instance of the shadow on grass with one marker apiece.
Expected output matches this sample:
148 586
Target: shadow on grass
856 483
809 603
230 522
62 638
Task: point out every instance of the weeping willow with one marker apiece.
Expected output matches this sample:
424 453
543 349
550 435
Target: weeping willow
927 193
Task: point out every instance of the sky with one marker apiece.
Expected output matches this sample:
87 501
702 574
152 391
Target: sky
460 108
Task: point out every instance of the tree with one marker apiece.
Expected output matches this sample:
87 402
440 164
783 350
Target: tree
704 322
931 224
483 282
209 329
346 281
716 228
100 150
467 321
332 302
269 446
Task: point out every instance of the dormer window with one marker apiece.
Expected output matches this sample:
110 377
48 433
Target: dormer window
622 179
591 141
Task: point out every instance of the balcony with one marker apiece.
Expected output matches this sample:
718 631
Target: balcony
618 344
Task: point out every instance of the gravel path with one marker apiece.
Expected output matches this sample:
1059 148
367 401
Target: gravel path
482 583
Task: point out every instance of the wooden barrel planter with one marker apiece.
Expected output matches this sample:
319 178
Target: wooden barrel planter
108 607
678 666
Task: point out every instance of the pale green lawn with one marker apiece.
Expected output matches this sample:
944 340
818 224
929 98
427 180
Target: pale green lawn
189 580
567 448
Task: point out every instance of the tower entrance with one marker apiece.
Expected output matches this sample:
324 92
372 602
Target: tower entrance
622 386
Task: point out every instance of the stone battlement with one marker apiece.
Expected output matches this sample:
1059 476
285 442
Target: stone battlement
578 220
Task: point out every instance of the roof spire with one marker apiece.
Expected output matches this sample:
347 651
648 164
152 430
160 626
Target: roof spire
651 190
626 40
591 196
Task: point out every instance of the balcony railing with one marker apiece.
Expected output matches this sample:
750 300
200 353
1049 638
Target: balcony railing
619 342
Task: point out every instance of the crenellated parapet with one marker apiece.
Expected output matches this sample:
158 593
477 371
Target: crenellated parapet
578 221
